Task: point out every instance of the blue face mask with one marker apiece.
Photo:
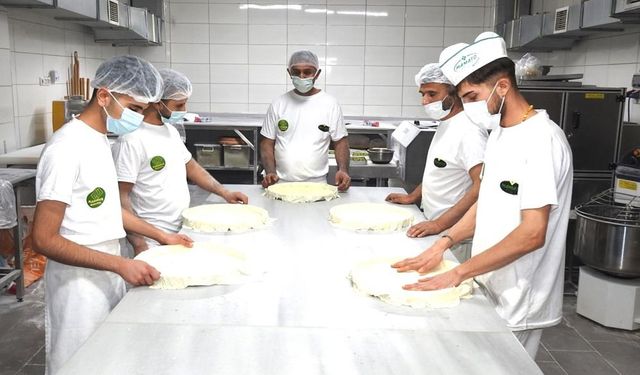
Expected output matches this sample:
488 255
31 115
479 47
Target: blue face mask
176 116
128 121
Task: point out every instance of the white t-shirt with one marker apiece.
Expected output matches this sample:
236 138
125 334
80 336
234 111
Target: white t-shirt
76 168
153 158
303 127
457 146
526 166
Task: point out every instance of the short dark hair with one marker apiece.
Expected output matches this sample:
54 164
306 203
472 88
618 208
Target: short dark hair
502 67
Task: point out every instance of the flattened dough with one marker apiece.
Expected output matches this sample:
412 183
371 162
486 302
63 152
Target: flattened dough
302 192
225 218
204 264
370 217
376 278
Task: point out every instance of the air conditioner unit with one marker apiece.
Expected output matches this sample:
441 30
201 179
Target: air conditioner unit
565 22
627 8
526 34
28 3
142 30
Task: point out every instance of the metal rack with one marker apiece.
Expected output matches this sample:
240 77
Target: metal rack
605 207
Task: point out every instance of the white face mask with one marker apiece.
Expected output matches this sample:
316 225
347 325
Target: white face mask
304 85
435 110
478 112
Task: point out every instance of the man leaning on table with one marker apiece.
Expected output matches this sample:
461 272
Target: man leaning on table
153 165
519 223
451 178
298 128
78 220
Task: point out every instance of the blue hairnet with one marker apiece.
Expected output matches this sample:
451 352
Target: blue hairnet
130 75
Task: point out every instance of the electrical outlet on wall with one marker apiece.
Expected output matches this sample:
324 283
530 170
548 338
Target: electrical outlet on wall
44 81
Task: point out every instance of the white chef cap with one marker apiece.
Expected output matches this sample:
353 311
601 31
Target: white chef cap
130 75
431 73
176 86
460 60
304 57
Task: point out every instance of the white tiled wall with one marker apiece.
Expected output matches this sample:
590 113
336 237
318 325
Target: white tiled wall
235 52
369 50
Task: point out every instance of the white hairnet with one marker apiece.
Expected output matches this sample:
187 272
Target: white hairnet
431 73
130 75
304 57
176 86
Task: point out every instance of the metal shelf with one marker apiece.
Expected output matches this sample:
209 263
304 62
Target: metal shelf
223 168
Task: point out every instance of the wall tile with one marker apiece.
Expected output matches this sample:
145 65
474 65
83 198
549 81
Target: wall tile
385 36
346 15
8 137
420 56
307 15
268 54
229 93
230 108
267 34
426 2
385 15
347 94
268 16
34 129
6 104
383 56
346 35
454 35
384 76
227 13
424 36
425 16
197 73
267 74
190 33
228 34
189 13
345 75
303 34
5 64
265 93
346 2
411 96
232 73
382 110
229 54
190 53
463 17
5 27
345 55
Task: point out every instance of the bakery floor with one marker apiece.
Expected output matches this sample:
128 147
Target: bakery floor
576 346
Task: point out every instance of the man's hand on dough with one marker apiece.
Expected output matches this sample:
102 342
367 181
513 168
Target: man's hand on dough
444 280
235 197
343 180
399 198
428 260
425 228
269 179
177 239
137 272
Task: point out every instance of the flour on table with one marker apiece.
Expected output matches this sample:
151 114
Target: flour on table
370 217
376 278
225 218
302 192
205 263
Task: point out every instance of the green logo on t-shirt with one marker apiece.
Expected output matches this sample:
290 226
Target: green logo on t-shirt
323 128
283 125
509 187
439 163
157 163
96 197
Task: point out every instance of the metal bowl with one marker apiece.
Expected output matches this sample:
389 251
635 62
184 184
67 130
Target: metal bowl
380 155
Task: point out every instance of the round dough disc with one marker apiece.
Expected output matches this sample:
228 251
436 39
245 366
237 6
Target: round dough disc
203 264
370 217
225 218
376 278
302 192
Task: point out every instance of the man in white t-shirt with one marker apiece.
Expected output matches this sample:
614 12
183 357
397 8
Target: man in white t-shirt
153 164
298 128
519 223
78 219
451 178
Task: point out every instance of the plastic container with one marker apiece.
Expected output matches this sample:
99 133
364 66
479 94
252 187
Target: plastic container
209 155
236 156
627 185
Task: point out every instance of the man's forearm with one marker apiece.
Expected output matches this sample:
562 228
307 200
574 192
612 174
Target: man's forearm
267 155
204 179
134 224
457 211
341 148
464 228
64 251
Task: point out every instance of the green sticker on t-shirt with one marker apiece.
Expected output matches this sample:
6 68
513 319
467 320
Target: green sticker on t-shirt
96 197
509 187
323 128
439 163
283 125
157 163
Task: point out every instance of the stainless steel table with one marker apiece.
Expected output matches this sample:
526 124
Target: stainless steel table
20 179
301 316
